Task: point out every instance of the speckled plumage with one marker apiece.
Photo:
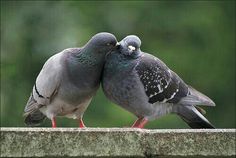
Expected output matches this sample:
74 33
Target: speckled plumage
145 86
68 81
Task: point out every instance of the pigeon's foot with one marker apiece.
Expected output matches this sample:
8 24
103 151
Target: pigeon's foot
81 123
54 122
140 123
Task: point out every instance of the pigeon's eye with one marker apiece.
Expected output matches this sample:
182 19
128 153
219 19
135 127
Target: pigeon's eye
108 44
131 48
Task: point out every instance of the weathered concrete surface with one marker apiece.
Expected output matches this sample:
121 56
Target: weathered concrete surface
74 142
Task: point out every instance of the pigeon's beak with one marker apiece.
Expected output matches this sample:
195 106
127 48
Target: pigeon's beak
117 45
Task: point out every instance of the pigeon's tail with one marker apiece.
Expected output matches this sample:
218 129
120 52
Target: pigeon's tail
192 116
34 119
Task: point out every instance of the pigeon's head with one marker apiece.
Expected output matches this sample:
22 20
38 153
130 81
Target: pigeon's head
130 46
103 43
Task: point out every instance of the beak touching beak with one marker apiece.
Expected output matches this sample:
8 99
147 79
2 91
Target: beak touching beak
117 45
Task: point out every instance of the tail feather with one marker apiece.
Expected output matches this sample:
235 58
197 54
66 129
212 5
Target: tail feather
31 105
193 117
201 110
34 119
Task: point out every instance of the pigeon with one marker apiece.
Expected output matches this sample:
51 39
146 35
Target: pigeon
142 84
68 81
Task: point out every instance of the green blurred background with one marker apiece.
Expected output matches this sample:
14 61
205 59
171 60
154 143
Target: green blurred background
196 39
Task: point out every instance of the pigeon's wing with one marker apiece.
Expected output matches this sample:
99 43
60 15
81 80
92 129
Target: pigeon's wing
195 97
165 86
46 84
160 83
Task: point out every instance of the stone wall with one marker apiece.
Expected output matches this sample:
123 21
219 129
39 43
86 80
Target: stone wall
116 142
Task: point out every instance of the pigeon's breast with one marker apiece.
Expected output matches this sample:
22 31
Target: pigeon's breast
74 95
59 107
122 86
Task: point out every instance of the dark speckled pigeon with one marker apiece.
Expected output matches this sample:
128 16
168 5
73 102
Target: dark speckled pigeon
68 81
145 86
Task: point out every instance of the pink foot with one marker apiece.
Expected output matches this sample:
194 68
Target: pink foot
54 122
81 123
140 123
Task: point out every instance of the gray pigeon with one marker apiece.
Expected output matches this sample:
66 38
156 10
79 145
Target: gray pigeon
68 81
145 86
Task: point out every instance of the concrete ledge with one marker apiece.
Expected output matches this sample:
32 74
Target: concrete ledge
116 142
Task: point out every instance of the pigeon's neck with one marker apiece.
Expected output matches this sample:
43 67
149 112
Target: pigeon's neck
117 62
90 57
84 69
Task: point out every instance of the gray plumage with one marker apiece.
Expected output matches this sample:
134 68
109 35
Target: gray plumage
145 86
68 81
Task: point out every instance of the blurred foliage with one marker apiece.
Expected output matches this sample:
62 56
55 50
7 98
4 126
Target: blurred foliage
196 39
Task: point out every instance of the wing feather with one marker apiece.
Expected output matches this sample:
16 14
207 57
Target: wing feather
160 83
165 86
46 84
